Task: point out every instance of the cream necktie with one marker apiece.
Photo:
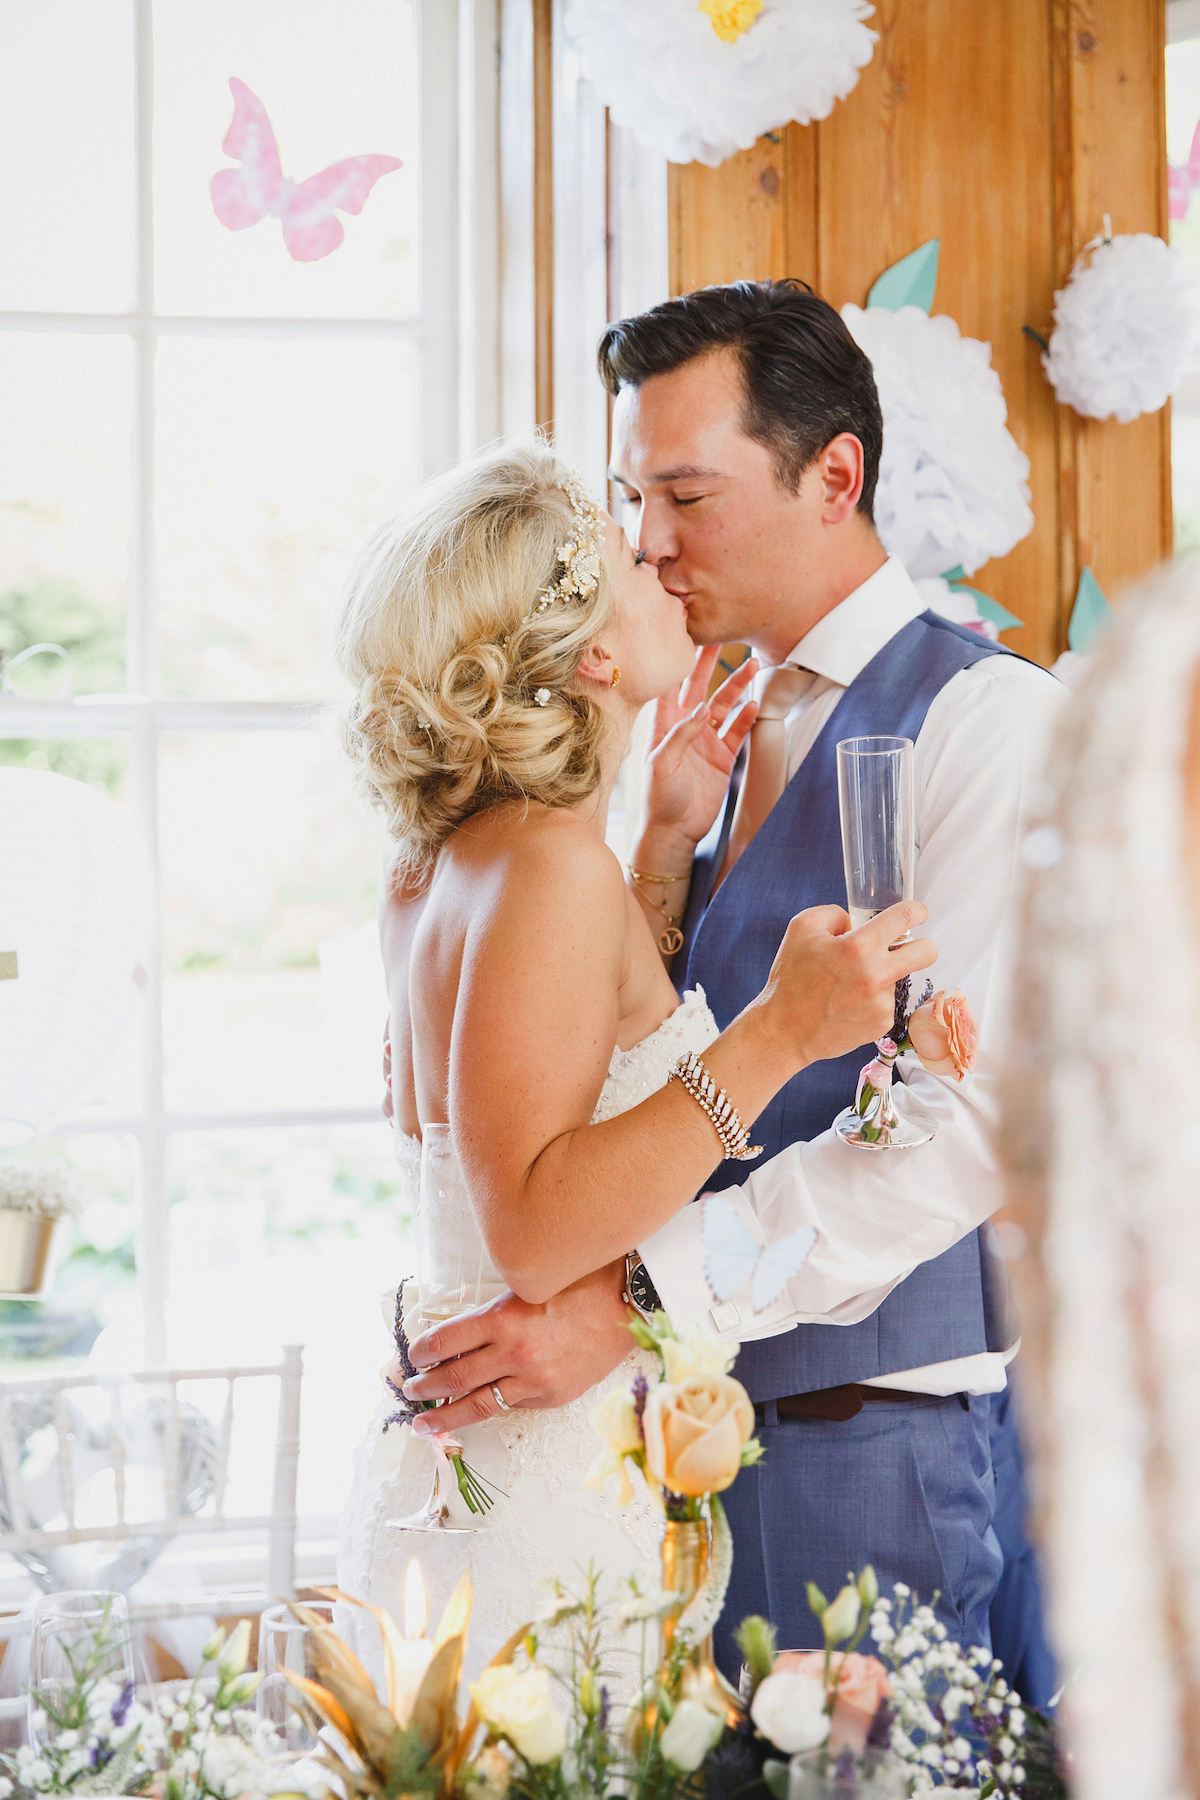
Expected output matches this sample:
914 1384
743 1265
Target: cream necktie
765 775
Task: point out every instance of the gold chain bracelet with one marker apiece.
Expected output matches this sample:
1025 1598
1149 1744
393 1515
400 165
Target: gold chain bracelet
670 938
692 1075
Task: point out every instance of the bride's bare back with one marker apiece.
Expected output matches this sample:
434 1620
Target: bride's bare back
490 908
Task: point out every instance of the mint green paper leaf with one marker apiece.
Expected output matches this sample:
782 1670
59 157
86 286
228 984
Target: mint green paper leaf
1091 615
987 608
910 282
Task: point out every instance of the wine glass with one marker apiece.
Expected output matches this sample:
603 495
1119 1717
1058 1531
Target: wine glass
879 849
454 1275
285 1643
75 1637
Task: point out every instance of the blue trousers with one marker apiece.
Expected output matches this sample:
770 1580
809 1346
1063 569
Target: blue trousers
1019 1636
905 1486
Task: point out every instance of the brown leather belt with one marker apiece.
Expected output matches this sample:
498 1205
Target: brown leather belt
841 1402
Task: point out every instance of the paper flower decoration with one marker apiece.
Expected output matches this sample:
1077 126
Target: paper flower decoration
965 605
1123 328
257 189
700 83
953 485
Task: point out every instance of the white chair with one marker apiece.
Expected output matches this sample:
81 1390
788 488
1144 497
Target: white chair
74 1447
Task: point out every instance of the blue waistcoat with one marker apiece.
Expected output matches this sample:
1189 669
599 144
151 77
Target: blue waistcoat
952 1306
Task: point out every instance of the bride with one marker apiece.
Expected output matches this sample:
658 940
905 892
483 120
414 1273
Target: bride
502 638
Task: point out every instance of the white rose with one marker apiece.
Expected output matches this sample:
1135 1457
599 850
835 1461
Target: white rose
695 1353
789 1709
516 1704
690 1735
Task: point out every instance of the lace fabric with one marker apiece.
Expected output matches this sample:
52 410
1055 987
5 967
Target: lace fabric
1103 1139
546 1522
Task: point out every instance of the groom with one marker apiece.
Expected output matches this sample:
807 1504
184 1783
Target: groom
746 442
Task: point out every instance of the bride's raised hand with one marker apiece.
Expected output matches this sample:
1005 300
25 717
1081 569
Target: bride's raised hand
832 988
694 746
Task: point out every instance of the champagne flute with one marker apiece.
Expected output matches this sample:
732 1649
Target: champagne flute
454 1275
286 1643
75 1636
879 849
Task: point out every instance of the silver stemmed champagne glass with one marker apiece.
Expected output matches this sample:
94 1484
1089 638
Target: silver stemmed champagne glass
879 848
454 1275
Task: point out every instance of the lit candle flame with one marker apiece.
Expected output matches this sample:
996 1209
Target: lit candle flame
416 1606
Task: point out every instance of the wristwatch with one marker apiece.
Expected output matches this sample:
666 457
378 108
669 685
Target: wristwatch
640 1291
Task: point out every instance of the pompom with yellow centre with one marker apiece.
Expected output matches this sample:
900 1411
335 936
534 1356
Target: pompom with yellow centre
730 19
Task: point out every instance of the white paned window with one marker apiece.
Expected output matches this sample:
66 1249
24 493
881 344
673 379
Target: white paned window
198 430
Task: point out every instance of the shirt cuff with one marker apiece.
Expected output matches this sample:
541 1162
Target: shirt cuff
675 1257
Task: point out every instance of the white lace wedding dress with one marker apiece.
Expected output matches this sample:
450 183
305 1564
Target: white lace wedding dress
1103 1138
546 1522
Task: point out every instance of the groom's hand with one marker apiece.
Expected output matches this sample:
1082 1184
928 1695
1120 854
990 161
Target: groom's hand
538 1356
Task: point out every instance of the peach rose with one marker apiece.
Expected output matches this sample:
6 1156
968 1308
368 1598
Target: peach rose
862 1684
944 1035
694 1432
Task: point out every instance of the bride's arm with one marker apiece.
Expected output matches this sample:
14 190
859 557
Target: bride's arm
535 1022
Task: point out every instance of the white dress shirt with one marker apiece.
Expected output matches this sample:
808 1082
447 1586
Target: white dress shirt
976 765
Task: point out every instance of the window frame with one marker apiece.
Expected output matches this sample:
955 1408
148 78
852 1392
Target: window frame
454 331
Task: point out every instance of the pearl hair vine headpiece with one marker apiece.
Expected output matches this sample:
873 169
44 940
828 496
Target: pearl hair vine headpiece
579 556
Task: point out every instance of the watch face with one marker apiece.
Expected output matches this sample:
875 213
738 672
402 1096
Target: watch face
642 1290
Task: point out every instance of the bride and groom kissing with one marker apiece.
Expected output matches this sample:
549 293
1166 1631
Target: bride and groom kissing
502 636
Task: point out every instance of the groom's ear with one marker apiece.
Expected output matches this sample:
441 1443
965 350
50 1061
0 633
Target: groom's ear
840 466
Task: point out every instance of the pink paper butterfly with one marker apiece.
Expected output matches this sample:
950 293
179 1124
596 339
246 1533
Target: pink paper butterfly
1182 183
258 189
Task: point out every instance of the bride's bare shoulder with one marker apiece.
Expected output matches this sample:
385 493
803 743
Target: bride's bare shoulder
548 849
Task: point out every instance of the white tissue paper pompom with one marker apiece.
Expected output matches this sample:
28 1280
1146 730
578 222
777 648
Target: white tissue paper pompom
1123 327
955 604
953 484
663 72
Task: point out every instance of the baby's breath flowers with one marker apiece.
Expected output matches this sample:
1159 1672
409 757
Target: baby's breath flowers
945 1712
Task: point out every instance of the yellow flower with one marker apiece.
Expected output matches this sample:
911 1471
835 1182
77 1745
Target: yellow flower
694 1352
615 1421
730 18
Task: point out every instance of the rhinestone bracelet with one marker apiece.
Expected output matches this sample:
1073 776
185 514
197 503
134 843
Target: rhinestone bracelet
692 1075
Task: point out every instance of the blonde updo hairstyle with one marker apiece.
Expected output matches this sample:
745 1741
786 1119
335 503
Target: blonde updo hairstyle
436 637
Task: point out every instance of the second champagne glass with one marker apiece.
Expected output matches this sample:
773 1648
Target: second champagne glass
454 1275
75 1636
285 1643
879 848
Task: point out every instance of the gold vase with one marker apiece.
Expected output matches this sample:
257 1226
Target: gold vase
25 1240
686 1554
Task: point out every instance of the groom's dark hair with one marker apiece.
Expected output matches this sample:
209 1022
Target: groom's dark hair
806 379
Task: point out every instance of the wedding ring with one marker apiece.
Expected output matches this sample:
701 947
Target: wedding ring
498 1397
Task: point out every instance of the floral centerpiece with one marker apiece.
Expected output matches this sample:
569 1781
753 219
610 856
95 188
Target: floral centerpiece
920 1714
199 1741
540 1721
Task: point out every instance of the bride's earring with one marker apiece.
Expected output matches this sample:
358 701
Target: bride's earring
616 676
